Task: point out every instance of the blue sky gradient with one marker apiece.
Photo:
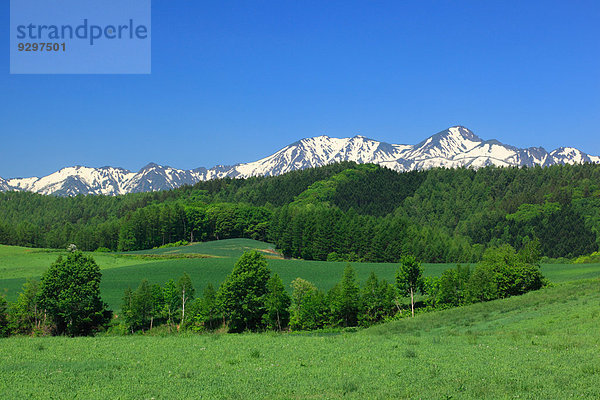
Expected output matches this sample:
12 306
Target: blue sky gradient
233 82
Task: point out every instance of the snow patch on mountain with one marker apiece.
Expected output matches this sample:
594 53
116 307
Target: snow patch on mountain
570 155
4 185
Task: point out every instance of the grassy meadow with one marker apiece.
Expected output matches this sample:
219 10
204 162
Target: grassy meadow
120 270
544 344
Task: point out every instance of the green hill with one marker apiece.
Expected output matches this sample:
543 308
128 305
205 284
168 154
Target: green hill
120 271
216 248
544 344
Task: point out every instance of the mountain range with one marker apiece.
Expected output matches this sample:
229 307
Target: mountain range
451 148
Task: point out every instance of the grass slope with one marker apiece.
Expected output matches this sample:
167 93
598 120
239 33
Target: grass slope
214 270
217 248
544 344
23 262
119 271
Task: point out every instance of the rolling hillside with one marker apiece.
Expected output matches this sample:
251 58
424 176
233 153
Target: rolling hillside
540 345
120 271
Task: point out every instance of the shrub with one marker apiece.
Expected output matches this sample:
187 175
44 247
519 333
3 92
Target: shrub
175 244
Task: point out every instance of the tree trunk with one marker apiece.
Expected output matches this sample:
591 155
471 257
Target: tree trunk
278 321
35 315
412 302
170 318
182 306
397 303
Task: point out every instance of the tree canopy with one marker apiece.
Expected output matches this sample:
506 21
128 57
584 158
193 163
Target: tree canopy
242 295
344 212
70 292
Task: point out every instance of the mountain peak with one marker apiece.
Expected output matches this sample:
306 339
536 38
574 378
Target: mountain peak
462 132
447 143
150 165
454 147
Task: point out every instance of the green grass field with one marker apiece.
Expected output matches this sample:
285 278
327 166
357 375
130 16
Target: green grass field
22 262
217 248
543 345
120 271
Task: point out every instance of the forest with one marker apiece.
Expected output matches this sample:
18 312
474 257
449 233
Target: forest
340 212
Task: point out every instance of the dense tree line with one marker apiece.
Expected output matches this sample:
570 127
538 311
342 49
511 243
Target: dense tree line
67 299
339 212
314 232
157 225
253 299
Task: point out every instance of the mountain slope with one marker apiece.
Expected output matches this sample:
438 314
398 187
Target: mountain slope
452 148
4 185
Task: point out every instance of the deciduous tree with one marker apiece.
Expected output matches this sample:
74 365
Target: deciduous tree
409 278
277 303
70 292
309 306
242 294
186 291
26 316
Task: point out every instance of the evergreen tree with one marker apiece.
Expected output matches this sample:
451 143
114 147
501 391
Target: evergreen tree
141 307
157 304
377 298
348 298
127 307
205 314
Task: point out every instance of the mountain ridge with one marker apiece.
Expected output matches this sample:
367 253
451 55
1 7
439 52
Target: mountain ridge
454 147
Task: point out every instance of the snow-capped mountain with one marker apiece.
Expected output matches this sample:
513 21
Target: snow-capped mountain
106 180
155 177
452 148
74 180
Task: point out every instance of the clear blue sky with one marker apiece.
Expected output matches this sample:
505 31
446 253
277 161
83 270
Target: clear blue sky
235 81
